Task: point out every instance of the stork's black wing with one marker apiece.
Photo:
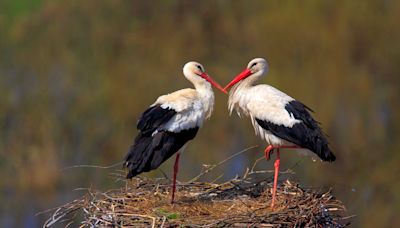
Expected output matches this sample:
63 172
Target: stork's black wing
306 134
153 118
153 144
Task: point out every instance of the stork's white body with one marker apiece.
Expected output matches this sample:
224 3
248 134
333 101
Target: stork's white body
277 118
262 102
193 106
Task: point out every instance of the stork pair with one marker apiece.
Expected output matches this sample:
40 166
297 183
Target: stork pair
174 119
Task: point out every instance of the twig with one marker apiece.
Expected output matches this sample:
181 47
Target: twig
211 167
93 166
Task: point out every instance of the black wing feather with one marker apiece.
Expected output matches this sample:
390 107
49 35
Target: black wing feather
306 134
150 148
149 152
153 118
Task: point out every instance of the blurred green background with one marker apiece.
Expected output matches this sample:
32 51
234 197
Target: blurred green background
75 76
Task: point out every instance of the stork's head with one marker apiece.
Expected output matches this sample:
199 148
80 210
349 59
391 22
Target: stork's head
196 73
255 69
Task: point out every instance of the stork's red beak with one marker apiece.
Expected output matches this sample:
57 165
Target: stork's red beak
244 74
214 83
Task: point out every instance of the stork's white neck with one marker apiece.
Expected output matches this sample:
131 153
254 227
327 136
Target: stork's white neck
206 94
244 84
202 86
204 91
238 94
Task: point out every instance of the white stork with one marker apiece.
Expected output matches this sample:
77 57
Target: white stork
280 120
170 122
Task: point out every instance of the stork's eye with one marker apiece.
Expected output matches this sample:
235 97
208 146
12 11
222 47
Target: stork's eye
252 65
199 67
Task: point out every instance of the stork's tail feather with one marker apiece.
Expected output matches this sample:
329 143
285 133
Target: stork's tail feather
320 146
138 155
327 155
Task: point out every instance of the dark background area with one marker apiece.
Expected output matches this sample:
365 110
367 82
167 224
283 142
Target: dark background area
75 76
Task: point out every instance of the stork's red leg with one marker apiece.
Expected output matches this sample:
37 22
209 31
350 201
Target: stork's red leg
176 168
276 165
268 150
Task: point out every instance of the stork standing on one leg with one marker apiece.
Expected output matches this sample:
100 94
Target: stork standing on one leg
277 118
168 124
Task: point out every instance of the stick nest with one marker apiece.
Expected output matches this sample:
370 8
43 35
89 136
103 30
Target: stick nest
241 202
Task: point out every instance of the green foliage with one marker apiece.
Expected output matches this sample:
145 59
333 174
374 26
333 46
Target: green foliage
75 76
167 214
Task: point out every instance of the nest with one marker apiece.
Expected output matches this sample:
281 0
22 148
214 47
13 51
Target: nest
241 202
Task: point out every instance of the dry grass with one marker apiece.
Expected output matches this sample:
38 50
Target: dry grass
239 202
